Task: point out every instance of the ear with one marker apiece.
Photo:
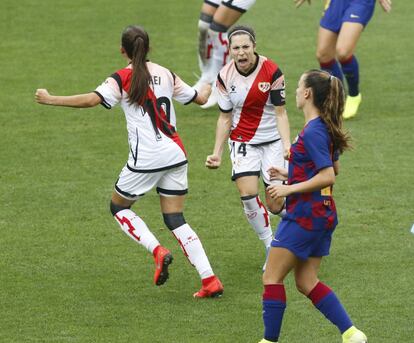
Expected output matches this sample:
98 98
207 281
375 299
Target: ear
307 93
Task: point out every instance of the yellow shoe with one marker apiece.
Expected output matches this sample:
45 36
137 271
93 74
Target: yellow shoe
351 106
265 341
353 335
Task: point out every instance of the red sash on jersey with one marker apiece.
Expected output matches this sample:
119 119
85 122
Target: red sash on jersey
253 106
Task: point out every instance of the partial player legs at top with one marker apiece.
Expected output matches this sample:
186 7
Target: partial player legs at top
215 20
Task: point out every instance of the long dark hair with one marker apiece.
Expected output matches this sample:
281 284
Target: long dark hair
135 41
329 98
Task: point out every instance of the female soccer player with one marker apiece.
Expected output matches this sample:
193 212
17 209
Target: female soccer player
157 157
253 117
215 19
304 234
340 28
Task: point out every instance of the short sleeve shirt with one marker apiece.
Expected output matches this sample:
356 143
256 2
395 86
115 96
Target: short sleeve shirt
311 152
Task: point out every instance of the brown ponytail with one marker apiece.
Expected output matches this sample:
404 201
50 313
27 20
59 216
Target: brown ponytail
329 98
135 41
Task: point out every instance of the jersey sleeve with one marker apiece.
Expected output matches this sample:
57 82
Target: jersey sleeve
223 98
317 144
109 92
277 90
183 93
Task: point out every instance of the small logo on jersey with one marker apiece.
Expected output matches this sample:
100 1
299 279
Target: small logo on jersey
354 16
264 86
233 89
252 215
282 94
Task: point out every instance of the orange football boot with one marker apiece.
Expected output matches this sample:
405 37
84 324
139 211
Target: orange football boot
211 288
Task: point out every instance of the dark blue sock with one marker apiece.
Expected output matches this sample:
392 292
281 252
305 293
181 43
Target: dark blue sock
274 304
350 69
333 68
327 302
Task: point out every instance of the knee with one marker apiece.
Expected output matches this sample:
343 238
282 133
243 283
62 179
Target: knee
173 220
342 53
114 208
276 206
304 286
323 56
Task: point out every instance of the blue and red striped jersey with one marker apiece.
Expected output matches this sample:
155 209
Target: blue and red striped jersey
311 152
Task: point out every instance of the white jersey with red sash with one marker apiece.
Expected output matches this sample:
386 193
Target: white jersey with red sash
154 143
251 99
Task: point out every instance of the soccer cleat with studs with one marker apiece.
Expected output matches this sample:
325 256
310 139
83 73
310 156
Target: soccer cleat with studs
211 288
162 259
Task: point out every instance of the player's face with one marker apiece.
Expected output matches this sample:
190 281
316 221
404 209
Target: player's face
300 93
242 51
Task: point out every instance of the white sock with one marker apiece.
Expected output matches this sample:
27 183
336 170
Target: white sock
258 218
219 55
203 43
136 229
193 249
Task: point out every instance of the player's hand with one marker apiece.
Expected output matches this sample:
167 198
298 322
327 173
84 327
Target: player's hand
386 5
277 173
213 161
286 153
278 191
299 3
42 96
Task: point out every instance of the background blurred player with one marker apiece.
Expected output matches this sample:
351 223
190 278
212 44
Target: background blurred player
304 234
215 19
340 28
157 157
253 118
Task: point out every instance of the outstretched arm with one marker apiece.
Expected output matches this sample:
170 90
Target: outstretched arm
80 100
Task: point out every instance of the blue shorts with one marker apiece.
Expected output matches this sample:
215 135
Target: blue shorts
339 11
303 243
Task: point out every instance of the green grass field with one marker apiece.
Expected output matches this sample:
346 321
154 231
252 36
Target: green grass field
68 273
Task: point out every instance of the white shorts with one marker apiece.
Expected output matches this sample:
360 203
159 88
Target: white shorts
238 5
170 182
250 159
